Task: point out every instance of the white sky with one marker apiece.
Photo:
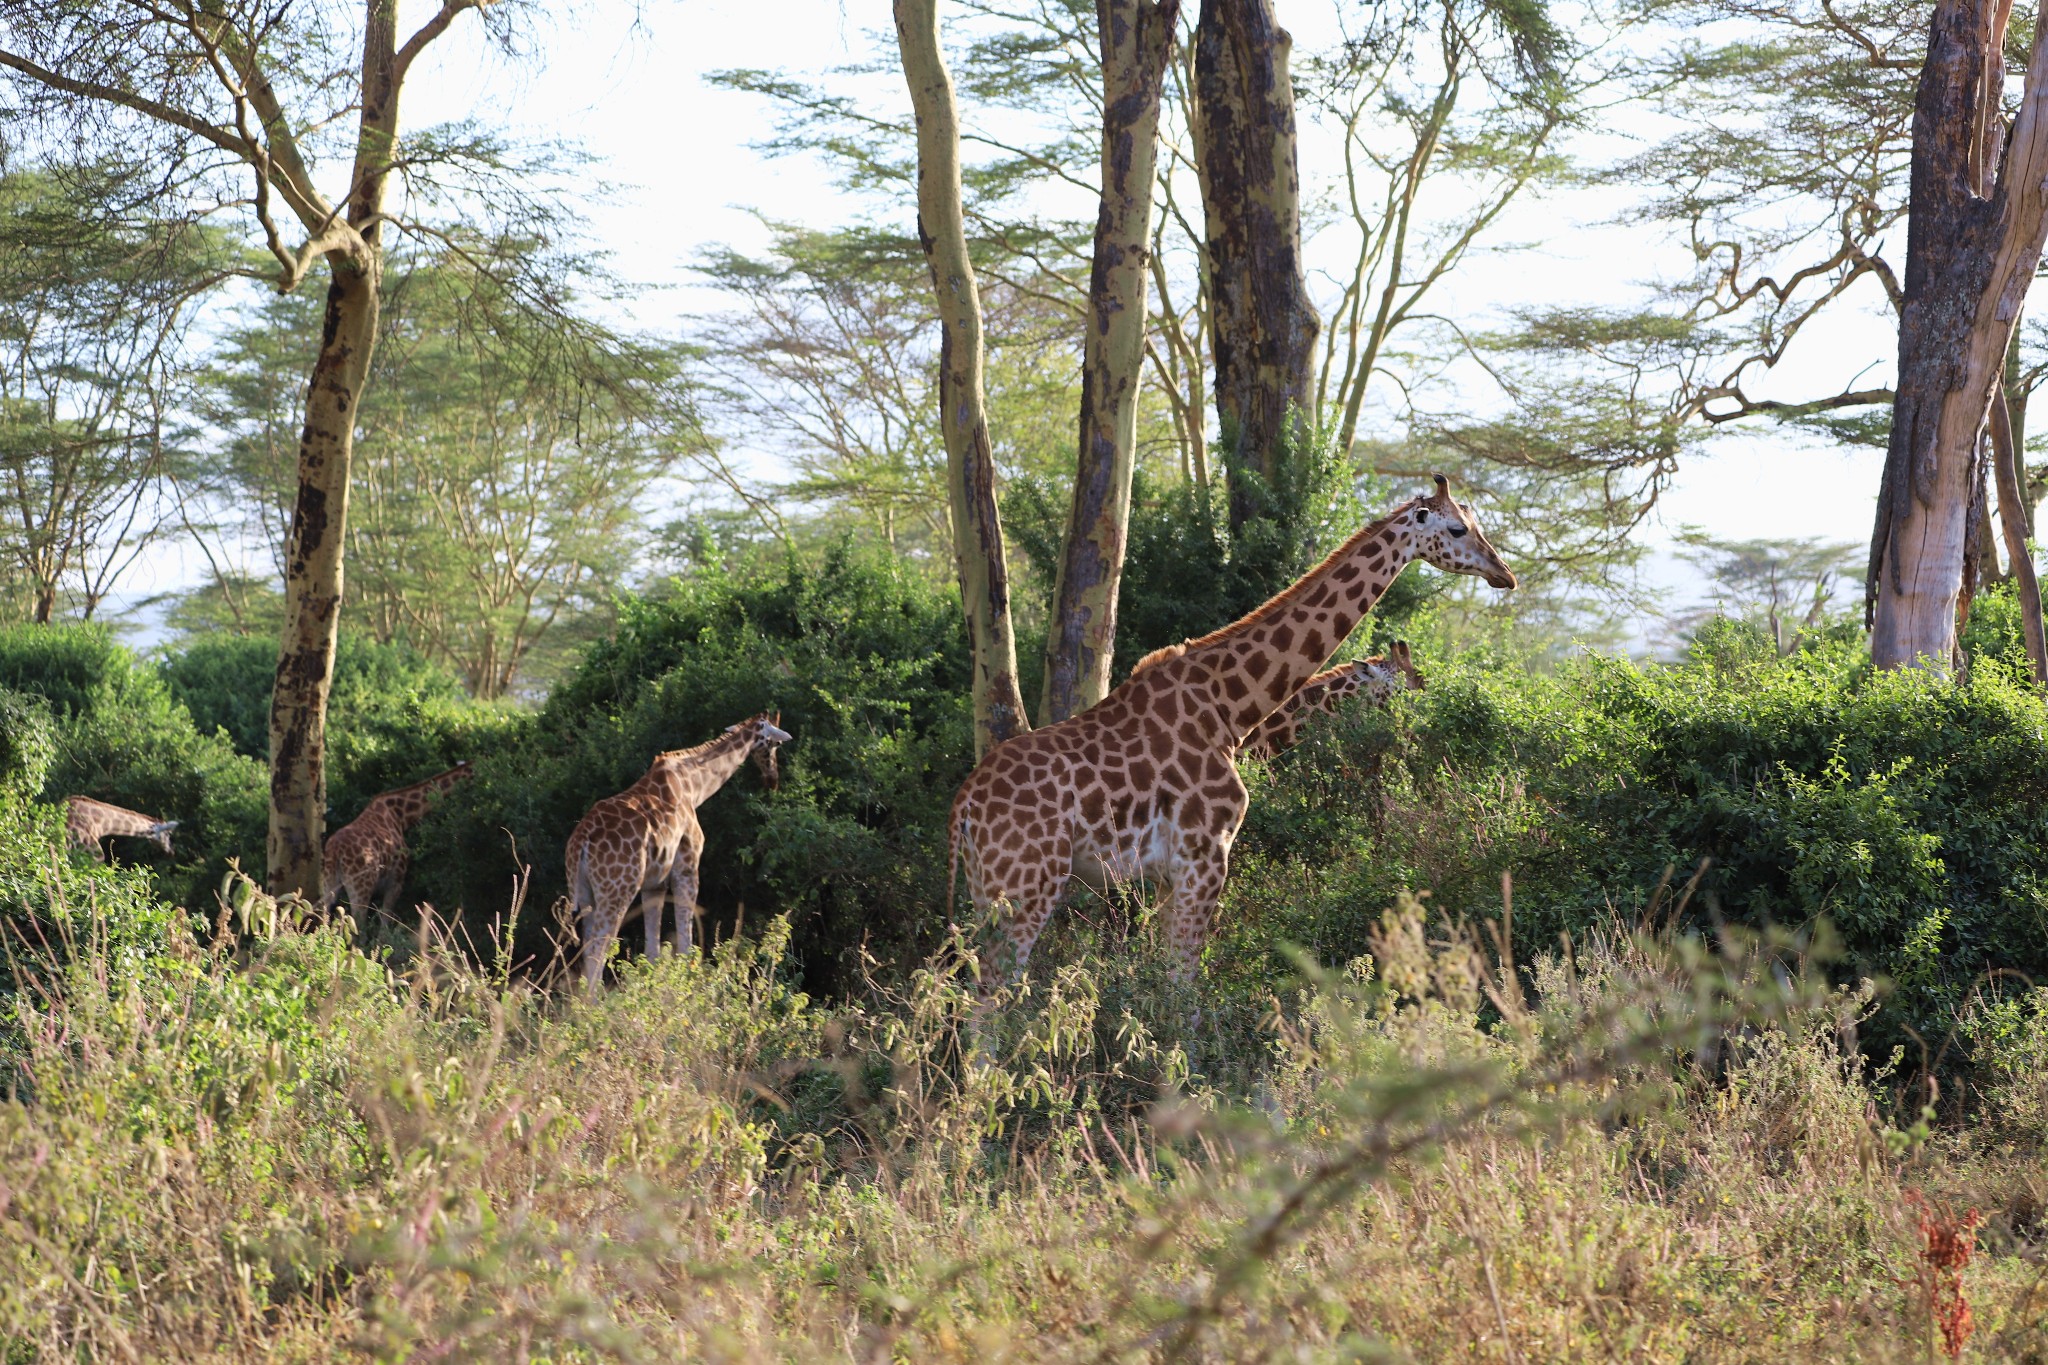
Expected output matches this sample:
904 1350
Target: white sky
626 82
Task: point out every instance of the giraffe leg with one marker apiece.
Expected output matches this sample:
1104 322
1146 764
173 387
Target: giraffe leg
600 928
653 900
682 886
1190 910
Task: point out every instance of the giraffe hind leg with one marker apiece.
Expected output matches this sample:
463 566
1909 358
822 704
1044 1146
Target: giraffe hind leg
652 901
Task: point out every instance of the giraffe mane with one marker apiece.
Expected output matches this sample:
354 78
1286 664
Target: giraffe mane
1294 591
1159 656
461 767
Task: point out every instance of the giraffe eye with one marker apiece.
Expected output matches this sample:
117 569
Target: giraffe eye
1457 532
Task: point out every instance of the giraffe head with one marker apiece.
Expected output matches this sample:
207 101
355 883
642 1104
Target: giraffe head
767 735
1443 532
160 834
1383 676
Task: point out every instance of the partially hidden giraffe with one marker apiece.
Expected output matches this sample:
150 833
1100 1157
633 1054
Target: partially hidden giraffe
1144 782
646 841
1380 677
365 861
89 824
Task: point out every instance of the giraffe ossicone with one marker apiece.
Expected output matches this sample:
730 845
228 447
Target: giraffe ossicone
645 842
1144 783
365 861
89 824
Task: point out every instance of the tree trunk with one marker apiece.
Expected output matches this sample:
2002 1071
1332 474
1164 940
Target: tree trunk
963 416
313 546
1264 326
1136 40
1974 238
2012 514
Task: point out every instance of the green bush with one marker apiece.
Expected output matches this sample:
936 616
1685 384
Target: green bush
1910 812
121 736
394 716
866 662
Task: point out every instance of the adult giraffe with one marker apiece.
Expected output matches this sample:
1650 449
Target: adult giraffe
89 824
1144 782
646 842
1379 677
365 861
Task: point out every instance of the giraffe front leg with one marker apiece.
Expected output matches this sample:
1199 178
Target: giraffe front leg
682 886
1190 911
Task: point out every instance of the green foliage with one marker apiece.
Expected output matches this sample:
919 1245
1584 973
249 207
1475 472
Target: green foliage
1908 812
28 745
865 660
122 735
394 716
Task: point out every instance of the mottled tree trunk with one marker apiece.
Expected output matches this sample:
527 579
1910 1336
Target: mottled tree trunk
963 415
1136 38
1975 234
1264 325
313 546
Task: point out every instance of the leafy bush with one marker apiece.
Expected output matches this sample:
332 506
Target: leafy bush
394 716
866 662
121 736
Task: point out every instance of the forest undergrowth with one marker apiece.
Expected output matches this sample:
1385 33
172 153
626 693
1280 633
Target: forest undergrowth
248 1138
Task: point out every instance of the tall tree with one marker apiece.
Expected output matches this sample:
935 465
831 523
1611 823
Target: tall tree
1136 39
963 415
1977 220
247 86
94 299
1263 325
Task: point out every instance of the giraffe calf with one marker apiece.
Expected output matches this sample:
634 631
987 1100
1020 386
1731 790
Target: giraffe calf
1379 677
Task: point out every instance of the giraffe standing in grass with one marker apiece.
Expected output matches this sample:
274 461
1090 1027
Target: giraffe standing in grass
1144 783
1379 677
89 824
365 861
646 841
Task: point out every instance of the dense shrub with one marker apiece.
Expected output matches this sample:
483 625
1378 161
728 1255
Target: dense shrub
121 736
866 662
394 716
1909 812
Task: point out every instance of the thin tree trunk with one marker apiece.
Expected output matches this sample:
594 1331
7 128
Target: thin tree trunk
2012 515
1974 238
313 546
1136 40
1264 325
963 415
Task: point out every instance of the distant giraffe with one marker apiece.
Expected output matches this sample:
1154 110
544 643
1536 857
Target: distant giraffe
1144 782
89 824
1379 677
646 841
365 861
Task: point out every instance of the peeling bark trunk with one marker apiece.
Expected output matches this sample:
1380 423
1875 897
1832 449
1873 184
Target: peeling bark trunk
1136 38
963 416
1977 217
1264 325
313 546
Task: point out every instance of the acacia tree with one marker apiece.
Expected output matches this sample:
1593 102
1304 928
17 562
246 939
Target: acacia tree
1136 39
1977 219
93 304
241 89
978 550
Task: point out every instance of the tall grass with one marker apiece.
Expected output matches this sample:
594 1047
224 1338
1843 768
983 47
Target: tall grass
263 1143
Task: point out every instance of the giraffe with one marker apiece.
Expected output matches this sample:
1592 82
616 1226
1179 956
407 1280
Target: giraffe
365 861
646 841
1144 782
89 824
1379 677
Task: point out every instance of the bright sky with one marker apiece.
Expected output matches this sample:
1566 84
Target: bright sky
627 82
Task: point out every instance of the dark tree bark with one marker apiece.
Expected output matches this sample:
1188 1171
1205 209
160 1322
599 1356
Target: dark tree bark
1264 326
963 415
1136 39
1977 217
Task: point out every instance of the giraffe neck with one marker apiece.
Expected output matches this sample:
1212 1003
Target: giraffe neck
104 820
1265 659
408 805
699 772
